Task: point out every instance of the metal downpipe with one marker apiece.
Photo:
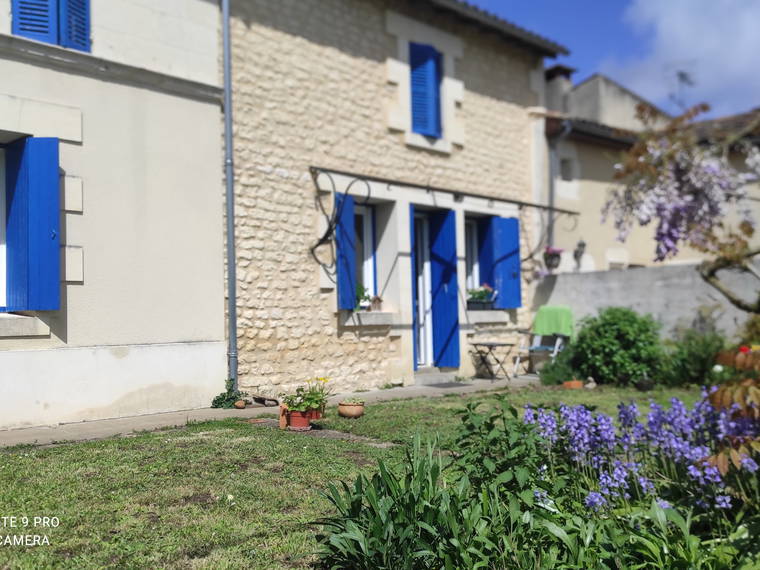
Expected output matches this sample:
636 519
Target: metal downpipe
229 175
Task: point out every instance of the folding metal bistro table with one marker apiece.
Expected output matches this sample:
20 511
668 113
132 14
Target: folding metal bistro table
489 350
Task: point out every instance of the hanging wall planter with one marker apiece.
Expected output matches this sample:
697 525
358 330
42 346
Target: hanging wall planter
552 257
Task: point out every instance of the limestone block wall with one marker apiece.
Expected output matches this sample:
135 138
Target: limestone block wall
310 88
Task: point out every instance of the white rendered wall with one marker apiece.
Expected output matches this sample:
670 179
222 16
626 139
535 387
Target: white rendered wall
141 323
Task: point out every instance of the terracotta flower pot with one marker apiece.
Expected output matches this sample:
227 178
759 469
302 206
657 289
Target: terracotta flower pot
572 385
240 404
298 420
346 410
315 414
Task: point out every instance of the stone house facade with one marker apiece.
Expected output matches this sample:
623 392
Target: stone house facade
341 189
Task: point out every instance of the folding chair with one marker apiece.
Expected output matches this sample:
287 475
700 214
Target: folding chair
542 338
531 344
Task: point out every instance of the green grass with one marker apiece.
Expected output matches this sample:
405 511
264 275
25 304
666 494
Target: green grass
224 494
399 420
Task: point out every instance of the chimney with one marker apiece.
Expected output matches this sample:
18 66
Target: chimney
558 85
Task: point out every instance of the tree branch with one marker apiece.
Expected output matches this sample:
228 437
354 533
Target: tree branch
709 270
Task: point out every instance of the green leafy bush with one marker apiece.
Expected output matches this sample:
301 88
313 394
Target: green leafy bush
691 358
559 370
618 346
227 398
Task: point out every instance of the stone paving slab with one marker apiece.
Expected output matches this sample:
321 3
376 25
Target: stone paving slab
101 429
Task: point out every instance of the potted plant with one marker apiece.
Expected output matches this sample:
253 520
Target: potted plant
316 395
481 299
552 257
362 297
376 304
297 411
351 408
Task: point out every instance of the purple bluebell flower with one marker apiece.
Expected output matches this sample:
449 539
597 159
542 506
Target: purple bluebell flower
646 485
723 502
595 501
664 504
530 414
749 464
547 425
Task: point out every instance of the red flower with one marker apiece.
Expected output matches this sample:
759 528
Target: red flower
744 349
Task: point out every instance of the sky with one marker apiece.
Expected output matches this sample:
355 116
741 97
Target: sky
645 44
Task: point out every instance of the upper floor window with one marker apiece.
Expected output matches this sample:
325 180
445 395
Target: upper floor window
62 22
426 71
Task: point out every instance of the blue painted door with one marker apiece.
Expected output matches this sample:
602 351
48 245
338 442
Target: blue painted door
443 273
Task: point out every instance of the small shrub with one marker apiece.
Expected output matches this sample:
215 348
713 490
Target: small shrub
227 398
618 346
690 359
750 333
559 370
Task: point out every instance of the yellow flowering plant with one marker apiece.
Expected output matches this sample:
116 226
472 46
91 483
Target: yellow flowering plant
318 391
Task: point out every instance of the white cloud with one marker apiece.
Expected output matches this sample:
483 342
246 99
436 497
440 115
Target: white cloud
717 42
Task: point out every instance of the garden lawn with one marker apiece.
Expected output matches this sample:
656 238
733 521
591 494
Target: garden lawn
399 420
225 494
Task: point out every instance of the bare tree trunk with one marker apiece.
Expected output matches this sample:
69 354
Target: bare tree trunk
709 272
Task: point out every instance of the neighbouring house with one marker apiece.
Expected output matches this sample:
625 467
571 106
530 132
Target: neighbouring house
589 127
111 209
387 157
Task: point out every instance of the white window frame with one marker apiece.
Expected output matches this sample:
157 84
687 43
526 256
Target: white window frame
368 255
399 108
471 254
424 337
3 255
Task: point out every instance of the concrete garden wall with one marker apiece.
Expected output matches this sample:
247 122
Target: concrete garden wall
672 294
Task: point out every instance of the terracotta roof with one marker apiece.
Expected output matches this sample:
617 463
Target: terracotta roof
747 123
590 131
507 29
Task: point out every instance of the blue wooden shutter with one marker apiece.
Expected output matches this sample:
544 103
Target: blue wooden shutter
32 228
35 19
415 293
74 18
426 72
505 234
345 251
443 277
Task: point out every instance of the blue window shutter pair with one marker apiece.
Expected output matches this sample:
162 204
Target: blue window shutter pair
443 277
499 259
63 22
32 232
345 251
426 73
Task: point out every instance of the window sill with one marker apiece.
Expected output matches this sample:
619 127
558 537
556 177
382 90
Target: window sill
368 319
498 316
15 326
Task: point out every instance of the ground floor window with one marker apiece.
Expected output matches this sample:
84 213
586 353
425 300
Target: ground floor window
471 254
365 254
